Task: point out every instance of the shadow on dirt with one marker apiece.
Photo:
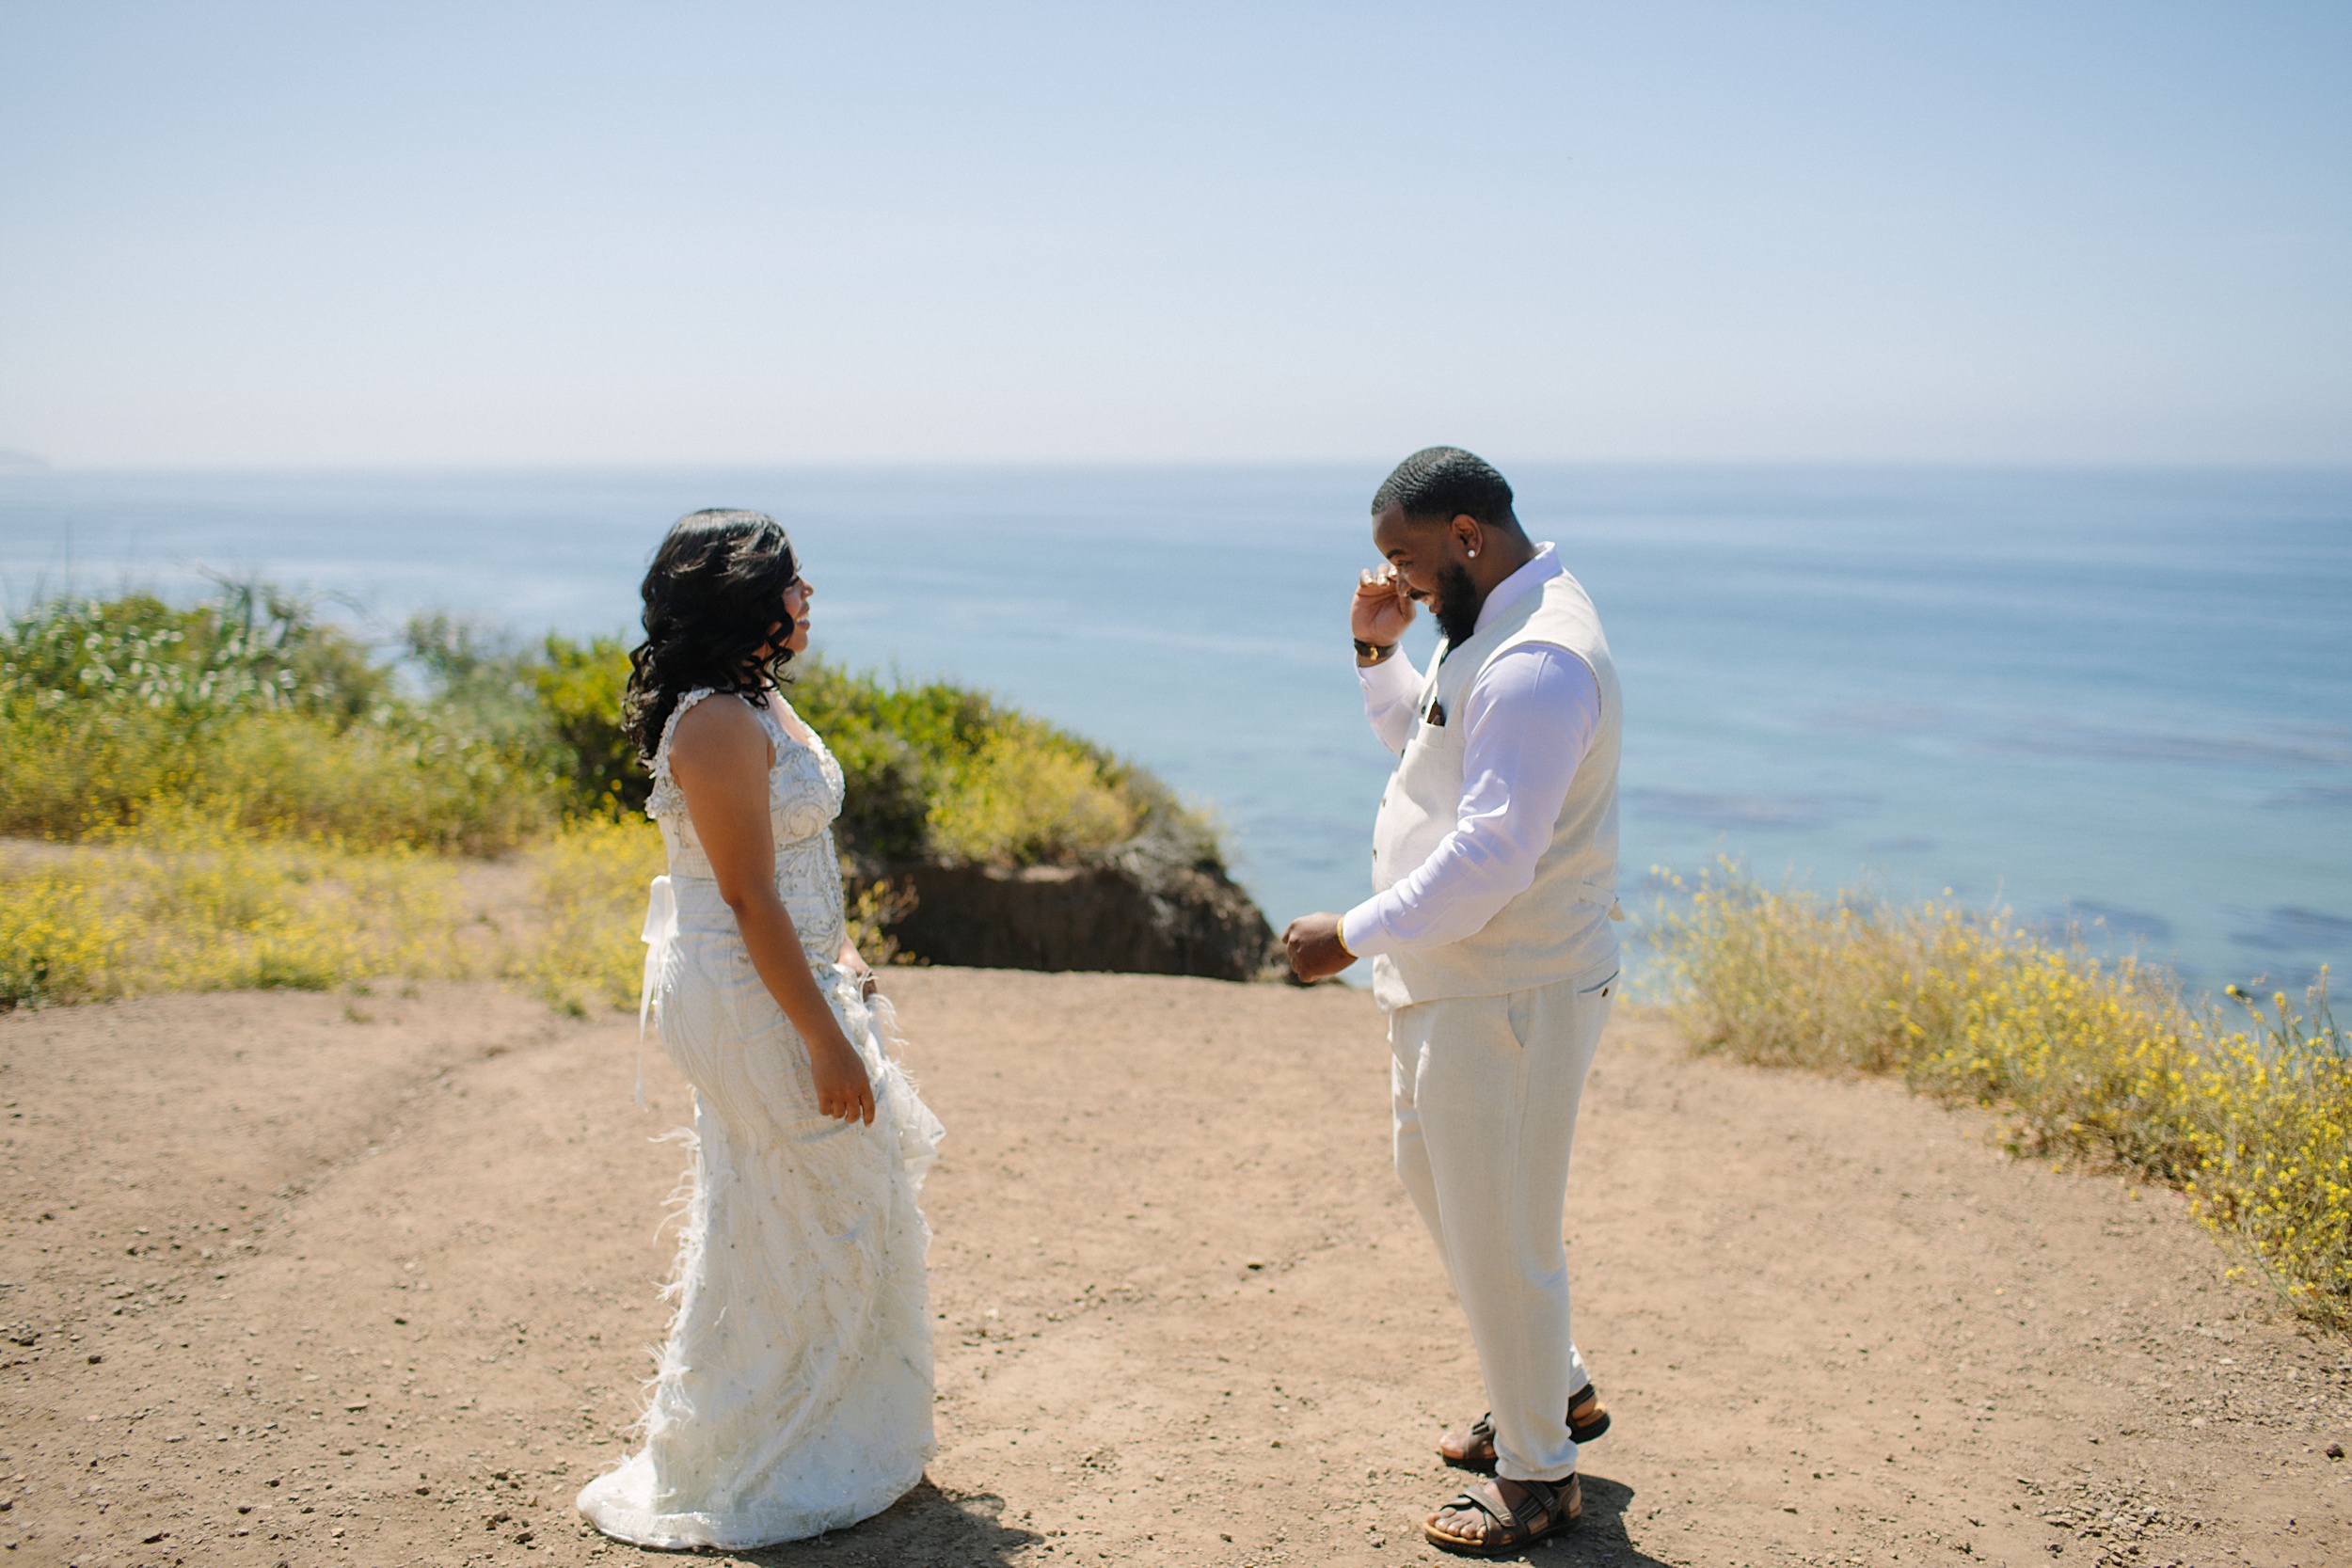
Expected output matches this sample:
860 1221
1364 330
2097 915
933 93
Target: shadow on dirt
1601 1536
926 1528
929 1529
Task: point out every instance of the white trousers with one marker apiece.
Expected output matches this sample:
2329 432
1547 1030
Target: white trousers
1485 1093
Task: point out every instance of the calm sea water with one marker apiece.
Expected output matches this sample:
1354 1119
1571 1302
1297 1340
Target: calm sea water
2116 697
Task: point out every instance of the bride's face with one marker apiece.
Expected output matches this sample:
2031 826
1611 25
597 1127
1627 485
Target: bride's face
796 600
796 597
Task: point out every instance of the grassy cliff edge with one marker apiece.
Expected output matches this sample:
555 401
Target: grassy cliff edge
2248 1111
239 793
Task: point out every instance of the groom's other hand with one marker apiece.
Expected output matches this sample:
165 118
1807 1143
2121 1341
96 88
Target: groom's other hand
1315 950
1383 607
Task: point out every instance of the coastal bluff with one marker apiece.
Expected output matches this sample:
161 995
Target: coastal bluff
1134 913
990 838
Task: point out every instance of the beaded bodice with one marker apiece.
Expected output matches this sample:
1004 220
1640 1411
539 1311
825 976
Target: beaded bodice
805 795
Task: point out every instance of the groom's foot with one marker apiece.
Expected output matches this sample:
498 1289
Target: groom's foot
1503 1518
1472 1448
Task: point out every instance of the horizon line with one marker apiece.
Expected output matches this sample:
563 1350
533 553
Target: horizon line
34 469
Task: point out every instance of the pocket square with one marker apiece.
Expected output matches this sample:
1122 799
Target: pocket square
1435 715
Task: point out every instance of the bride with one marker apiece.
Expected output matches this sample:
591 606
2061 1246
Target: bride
794 1395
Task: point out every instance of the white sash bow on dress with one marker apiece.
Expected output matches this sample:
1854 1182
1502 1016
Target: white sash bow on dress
660 935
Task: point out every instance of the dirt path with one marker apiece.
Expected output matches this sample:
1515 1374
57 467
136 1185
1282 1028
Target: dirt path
312 1279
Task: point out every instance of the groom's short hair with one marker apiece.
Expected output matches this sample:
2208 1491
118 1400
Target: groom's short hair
1439 483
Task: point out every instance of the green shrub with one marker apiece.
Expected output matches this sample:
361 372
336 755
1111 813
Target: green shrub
406 780
67 770
67 767
255 649
579 691
940 772
249 787
1021 799
250 709
897 744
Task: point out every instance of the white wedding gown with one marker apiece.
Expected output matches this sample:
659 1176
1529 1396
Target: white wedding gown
794 1395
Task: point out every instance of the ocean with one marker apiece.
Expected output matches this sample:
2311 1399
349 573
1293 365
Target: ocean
2116 698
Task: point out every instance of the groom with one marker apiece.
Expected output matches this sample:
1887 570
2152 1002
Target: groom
1495 866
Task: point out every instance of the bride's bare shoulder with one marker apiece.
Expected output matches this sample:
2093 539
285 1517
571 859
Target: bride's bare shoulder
718 728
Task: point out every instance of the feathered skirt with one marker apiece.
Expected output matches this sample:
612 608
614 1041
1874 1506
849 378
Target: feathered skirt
794 1393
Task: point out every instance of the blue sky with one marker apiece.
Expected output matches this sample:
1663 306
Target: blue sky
271 235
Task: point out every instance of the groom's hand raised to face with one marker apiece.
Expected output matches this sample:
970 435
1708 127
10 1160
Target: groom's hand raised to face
1382 607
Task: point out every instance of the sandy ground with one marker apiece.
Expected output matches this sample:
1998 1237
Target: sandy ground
371 1279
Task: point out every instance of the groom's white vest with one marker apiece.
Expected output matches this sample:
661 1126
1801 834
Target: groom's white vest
1559 926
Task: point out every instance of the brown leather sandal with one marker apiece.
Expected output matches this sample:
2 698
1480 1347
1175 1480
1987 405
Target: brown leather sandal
1472 1448
1545 1508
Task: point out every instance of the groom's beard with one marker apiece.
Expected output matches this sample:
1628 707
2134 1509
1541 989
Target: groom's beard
1455 603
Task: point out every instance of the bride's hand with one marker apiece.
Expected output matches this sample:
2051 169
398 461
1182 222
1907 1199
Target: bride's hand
843 1090
1381 609
860 971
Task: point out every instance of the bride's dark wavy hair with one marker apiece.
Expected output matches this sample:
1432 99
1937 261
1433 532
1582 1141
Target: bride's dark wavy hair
713 595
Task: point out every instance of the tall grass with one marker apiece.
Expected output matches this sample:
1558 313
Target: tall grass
2250 1112
588 884
183 902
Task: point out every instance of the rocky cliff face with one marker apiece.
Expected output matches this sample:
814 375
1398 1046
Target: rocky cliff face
1139 912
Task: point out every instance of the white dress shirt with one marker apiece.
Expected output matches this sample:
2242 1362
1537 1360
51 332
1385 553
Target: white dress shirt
1530 714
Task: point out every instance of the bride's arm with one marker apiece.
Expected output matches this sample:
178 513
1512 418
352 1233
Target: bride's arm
720 756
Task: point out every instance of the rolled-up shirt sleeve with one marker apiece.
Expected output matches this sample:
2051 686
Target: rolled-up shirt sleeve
1529 719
